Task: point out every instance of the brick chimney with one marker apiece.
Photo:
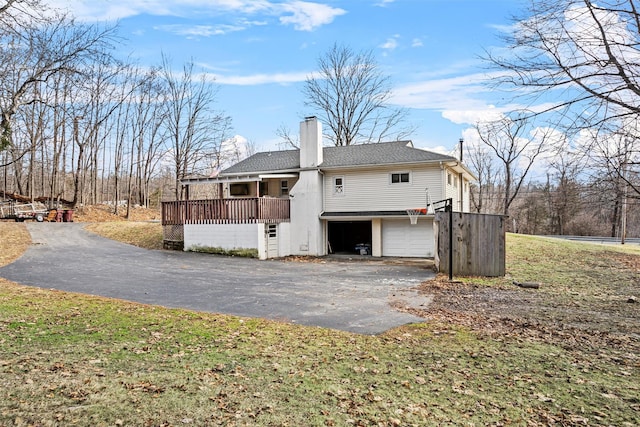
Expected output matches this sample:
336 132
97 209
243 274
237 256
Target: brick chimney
310 143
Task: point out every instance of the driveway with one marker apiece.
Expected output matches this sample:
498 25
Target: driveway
350 296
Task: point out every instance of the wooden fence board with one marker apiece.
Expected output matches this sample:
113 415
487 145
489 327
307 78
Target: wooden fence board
478 244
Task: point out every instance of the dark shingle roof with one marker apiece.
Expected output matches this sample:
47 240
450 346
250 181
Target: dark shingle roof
385 153
271 161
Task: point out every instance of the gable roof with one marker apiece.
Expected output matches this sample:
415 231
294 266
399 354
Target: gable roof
270 161
384 153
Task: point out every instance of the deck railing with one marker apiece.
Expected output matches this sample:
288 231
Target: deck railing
226 211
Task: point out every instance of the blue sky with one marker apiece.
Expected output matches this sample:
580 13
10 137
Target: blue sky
261 51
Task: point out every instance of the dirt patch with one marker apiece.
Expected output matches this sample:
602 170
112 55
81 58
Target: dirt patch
609 320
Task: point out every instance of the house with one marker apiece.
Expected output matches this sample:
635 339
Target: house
319 200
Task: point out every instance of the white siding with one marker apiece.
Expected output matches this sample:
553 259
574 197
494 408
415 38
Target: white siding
372 190
453 191
284 239
226 236
401 239
467 196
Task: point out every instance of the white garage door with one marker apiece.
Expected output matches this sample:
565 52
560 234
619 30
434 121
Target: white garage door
400 238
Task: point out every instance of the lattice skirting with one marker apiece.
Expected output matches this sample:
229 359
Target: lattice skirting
173 237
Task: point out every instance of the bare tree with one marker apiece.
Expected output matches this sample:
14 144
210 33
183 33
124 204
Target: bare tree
289 140
482 163
16 15
351 95
563 186
611 159
39 48
517 146
578 60
94 103
146 131
193 127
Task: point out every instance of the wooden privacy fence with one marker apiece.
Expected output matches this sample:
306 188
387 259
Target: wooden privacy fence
478 244
226 211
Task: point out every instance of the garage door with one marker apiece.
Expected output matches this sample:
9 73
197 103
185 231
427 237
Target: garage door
400 238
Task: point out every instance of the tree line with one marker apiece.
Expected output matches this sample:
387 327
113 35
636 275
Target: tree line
564 158
571 68
80 125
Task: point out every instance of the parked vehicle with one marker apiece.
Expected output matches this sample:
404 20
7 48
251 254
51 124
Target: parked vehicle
23 211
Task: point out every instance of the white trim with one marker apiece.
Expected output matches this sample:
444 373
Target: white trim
278 175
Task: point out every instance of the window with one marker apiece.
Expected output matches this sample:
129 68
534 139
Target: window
284 187
239 189
264 188
397 178
448 178
338 186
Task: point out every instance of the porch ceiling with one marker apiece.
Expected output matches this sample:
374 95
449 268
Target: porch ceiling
233 179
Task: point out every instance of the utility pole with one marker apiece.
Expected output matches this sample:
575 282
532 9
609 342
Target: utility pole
623 220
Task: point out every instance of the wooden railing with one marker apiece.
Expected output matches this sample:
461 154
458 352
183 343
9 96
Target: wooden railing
226 211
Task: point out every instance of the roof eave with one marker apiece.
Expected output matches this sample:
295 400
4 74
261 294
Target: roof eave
239 177
256 173
377 165
461 168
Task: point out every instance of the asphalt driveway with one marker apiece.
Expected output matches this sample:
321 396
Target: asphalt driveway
350 296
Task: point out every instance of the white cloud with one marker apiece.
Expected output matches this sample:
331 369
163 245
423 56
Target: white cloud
447 92
391 43
461 99
488 113
307 16
417 42
199 30
260 79
440 149
303 15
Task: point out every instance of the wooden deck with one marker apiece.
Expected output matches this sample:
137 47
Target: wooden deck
226 211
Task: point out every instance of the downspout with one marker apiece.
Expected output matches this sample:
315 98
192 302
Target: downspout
444 180
324 194
324 228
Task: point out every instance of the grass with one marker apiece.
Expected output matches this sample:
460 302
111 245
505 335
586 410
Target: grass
142 234
240 252
69 359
